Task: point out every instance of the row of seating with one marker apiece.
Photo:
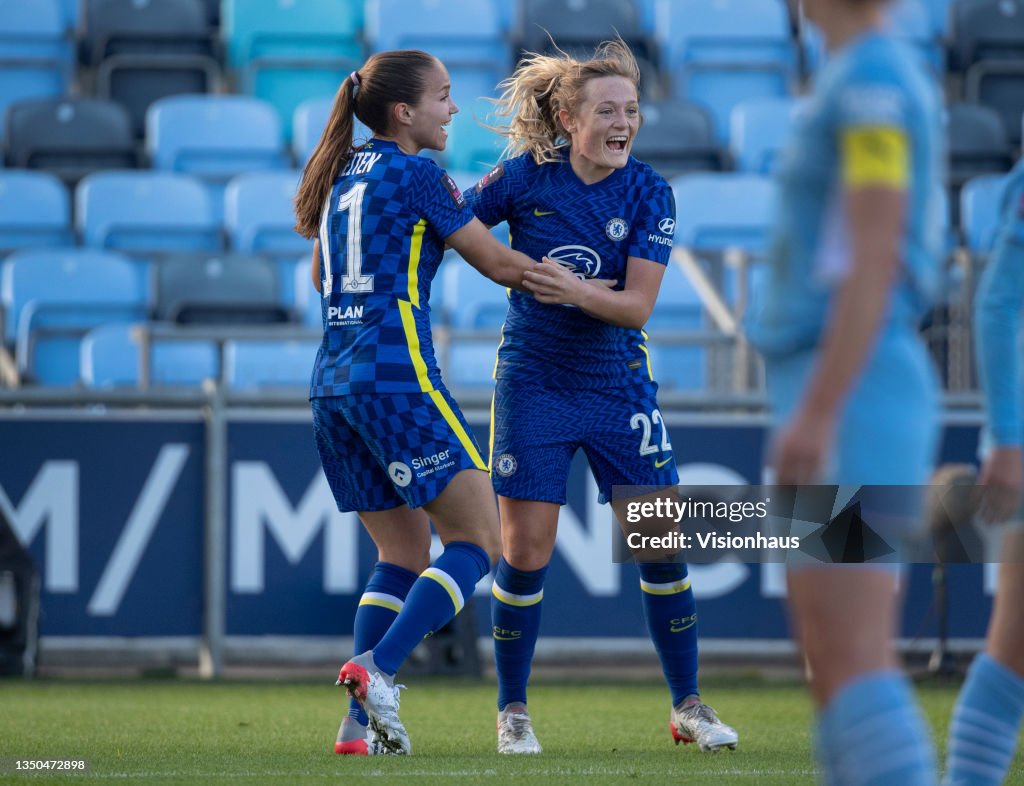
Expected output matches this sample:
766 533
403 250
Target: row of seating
718 52
730 211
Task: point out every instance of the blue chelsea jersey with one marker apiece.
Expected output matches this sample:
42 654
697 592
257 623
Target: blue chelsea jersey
382 235
592 230
873 118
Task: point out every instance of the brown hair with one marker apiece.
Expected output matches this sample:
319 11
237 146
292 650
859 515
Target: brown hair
385 79
542 85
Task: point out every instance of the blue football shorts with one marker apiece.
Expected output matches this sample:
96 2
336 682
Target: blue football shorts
535 432
383 450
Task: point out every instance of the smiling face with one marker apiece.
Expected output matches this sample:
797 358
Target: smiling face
603 128
431 116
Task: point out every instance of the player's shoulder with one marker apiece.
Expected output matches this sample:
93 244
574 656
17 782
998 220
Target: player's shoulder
644 173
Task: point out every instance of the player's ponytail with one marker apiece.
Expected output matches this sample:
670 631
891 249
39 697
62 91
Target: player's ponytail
542 85
331 153
368 93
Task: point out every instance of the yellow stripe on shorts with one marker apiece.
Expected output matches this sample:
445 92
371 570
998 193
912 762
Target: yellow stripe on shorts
875 156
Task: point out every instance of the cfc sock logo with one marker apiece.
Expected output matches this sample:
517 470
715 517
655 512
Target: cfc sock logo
504 634
679 624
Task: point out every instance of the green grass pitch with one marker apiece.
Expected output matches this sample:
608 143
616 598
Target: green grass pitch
282 732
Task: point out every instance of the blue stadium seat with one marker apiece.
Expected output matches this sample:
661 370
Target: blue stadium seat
35 210
214 138
455 31
911 21
677 367
69 137
261 364
47 322
720 52
579 25
980 202
110 358
305 298
287 52
35 54
259 217
471 146
259 214
470 364
146 212
308 126
481 302
144 51
718 211
758 128
473 307
677 309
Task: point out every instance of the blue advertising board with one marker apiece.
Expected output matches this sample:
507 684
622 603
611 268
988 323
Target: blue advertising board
112 509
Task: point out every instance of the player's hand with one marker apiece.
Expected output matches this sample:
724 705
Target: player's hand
1000 485
552 283
801 449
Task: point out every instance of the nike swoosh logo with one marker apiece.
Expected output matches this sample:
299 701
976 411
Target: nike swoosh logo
540 213
662 463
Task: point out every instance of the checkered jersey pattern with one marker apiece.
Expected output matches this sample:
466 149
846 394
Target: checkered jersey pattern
592 230
381 240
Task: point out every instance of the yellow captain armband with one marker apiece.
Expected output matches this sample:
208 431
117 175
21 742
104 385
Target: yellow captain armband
874 156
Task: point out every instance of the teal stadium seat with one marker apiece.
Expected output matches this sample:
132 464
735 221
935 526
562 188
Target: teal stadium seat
308 126
47 322
35 211
286 51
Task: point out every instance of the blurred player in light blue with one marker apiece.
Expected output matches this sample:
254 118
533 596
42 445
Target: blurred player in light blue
580 378
986 719
852 269
393 444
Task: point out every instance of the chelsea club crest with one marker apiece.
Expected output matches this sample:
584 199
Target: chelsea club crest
616 229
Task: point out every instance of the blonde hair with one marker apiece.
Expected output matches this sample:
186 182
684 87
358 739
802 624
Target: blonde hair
543 85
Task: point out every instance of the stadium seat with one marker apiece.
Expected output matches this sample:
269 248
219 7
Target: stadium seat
143 51
261 364
470 364
678 309
69 137
720 52
758 129
47 322
677 137
35 211
218 289
977 143
145 212
472 147
214 138
579 25
308 126
719 211
481 302
983 30
35 55
110 358
912 22
286 52
980 205
455 31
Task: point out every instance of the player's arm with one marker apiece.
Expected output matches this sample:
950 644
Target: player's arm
314 269
629 307
875 163
489 256
997 304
